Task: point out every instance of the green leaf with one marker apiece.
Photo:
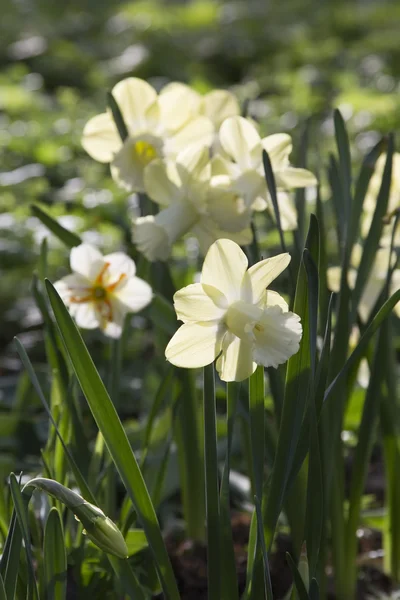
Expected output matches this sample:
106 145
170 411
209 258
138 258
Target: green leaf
10 559
298 581
3 595
261 543
21 509
117 116
343 146
211 480
136 541
114 434
64 235
54 558
374 235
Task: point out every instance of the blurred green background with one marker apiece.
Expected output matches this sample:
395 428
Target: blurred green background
288 60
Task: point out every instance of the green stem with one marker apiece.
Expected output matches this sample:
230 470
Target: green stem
190 458
211 480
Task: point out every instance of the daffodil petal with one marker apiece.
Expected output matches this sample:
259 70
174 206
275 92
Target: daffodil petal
178 104
236 361
85 315
219 105
193 304
100 138
162 182
224 268
274 299
119 262
291 177
86 260
278 337
278 146
194 345
72 285
134 97
239 138
262 273
134 294
198 131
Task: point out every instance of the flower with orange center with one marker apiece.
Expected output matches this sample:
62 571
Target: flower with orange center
102 289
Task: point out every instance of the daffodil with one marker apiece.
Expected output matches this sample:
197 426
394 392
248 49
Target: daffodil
102 289
182 189
157 126
216 105
231 316
375 283
240 167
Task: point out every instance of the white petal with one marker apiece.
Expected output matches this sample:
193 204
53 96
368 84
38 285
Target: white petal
134 97
236 361
278 337
194 159
178 103
86 260
126 170
100 138
207 232
278 146
265 271
161 182
120 263
193 304
291 178
134 295
274 299
224 268
229 211
218 105
287 211
72 285
198 131
239 138
154 236
85 315
112 329
194 345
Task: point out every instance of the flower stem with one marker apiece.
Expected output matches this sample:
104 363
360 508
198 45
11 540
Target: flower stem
211 480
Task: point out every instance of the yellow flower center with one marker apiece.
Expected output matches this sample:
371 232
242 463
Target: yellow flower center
143 152
99 293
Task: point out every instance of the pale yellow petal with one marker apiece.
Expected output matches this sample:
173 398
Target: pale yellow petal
224 268
197 131
100 138
193 304
162 182
178 104
236 361
278 146
278 336
194 345
240 139
134 97
264 272
219 105
290 178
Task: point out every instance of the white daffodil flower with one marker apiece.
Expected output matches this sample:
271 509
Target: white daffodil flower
231 316
102 289
158 126
182 189
375 282
216 105
240 168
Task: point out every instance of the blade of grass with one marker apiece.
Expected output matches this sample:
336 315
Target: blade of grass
297 579
117 116
211 483
10 559
3 595
114 434
54 558
67 237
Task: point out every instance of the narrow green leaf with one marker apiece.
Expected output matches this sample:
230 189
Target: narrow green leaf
211 480
374 235
10 559
114 434
54 558
3 595
264 554
21 509
343 146
64 235
298 582
257 429
117 116
337 198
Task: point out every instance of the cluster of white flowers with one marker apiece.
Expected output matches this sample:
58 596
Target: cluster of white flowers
202 163
197 158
